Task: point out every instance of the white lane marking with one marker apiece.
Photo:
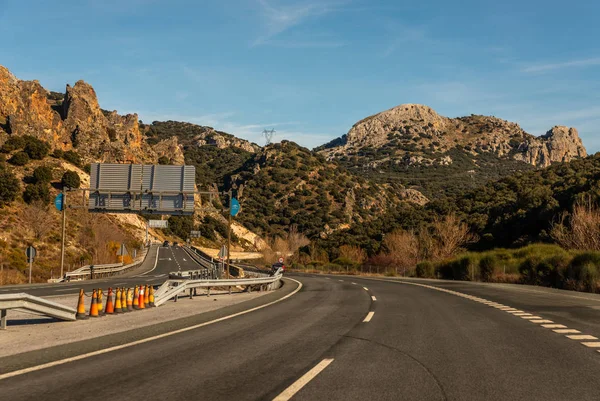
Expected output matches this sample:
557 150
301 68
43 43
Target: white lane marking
122 284
515 311
66 289
592 345
531 317
369 317
354 283
373 298
541 321
327 278
289 392
554 326
366 289
581 337
161 275
522 314
566 331
341 281
144 340
155 262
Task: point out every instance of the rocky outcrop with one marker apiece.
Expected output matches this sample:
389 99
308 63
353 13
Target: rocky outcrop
171 149
414 133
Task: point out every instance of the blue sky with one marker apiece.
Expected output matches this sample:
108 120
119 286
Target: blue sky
310 69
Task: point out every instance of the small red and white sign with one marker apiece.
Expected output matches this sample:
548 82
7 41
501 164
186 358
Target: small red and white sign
280 260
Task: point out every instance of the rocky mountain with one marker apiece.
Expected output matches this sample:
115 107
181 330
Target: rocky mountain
71 121
412 141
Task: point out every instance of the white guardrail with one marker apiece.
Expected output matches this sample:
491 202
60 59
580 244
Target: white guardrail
173 288
85 272
31 303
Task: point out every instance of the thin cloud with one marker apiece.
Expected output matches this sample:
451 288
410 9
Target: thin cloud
558 66
279 18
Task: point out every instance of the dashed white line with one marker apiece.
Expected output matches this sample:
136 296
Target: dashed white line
366 289
566 331
354 283
541 321
289 392
531 317
554 326
341 281
581 337
369 317
592 345
373 298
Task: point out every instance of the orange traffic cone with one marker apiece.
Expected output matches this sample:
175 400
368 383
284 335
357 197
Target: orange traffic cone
146 297
110 307
124 300
118 307
151 296
141 298
136 296
94 305
100 293
81 307
129 299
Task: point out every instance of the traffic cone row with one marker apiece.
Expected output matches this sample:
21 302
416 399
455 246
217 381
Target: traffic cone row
125 300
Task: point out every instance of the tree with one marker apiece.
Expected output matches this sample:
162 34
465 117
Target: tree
42 174
70 179
13 143
36 148
9 186
19 159
38 217
450 235
37 192
72 157
181 226
579 230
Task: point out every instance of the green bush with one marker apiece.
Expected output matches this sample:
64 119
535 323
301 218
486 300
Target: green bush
528 270
487 266
163 160
37 192
582 272
425 270
58 154
70 179
36 148
42 174
13 143
465 268
9 186
72 157
19 159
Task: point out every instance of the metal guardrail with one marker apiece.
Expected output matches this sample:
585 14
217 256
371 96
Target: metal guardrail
173 288
34 304
85 272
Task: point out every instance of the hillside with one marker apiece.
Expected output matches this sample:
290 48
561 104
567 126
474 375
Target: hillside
413 145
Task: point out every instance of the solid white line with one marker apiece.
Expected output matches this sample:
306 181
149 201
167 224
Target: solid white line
566 331
366 289
144 340
592 345
155 262
289 392
581 337
554 326
373 298
369 317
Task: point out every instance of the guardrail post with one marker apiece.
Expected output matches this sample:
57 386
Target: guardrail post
3 313
229 290
208 291
191 293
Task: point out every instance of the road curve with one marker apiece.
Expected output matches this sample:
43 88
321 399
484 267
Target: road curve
342 338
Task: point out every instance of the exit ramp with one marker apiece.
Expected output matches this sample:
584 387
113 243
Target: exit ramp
30 303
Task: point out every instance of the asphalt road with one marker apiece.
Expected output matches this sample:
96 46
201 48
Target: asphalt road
346 338
170 259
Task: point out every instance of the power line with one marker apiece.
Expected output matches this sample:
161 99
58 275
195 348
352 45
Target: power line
268 134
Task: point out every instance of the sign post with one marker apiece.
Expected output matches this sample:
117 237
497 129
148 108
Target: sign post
234 208
60 202
31 254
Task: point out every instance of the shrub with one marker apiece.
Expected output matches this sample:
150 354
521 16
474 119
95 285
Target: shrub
58 154
465 268
42 174
425 270
9 186
87 168
13 143
582 272
487 266
528 270
35 148
163 160
70 179
19 159
37 192
72 157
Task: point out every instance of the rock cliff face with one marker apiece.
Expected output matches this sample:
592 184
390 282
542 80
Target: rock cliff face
414 133
73 121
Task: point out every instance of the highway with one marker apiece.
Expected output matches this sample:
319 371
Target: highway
153 271
342 338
